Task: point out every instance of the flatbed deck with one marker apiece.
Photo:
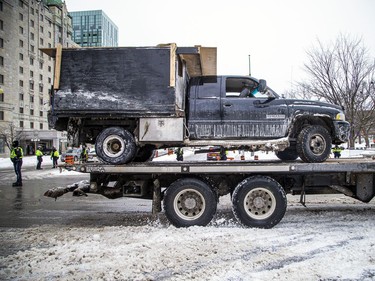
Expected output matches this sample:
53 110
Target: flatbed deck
363 165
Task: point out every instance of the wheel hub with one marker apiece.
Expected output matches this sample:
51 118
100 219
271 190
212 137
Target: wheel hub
317 144
259 203
190 204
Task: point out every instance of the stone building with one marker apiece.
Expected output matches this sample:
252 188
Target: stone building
26 73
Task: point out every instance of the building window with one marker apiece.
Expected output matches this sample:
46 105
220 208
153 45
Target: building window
20 3
1 61
31 111
21 83
32 99
41 113
21 30
41 41
2 97
1 115
49 68
32 11
49 80
31 61
21 70
40 65
31 73
1 79
21 110
41 126
41 17
31 36
21 124
31 125
21 56
21 96
32 48
41 29
31 85
41 101
21 44
40 88
49 34
31 23
1 25
21 17
1 43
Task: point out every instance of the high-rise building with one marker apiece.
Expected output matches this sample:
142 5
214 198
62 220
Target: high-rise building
26 73
94 29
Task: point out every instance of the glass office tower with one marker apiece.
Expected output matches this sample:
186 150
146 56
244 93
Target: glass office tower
94 29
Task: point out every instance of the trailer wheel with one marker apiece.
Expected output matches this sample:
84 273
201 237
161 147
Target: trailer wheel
189 202
115 145
314 144
259 201
289 154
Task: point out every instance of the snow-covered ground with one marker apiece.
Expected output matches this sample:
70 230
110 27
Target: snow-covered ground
332 239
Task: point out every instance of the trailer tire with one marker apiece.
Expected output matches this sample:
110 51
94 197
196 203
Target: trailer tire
314 144
188 202
289 154
259 201
115 145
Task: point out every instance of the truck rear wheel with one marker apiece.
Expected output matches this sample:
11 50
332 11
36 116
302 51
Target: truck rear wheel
314 144
259 201
115 145
189 202
144 154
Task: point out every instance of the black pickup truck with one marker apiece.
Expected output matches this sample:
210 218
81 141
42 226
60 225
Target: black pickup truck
131 100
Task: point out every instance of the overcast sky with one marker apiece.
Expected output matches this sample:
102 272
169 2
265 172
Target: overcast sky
275 33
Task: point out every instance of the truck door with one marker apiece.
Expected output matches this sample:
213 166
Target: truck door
248 116
204 113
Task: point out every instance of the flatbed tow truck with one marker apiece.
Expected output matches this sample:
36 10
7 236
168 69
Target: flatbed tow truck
190 190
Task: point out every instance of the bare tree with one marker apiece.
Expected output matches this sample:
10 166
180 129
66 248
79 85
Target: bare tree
10 133
342 73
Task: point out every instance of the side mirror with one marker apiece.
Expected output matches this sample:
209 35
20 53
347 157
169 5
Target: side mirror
262 87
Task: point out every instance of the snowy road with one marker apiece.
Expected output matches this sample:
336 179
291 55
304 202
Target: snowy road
332 239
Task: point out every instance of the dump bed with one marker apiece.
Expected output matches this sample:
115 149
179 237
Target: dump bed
115 81
126 81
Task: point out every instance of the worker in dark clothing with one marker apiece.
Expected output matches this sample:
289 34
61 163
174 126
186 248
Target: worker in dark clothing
84 154
39 158
54 156
179 154
223 153
337 151
16 156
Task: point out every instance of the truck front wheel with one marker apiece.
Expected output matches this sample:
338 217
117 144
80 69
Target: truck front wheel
115 145
189 202
259 201
314 144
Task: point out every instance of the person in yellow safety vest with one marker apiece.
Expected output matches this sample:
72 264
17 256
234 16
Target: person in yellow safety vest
337 151
39 157
84 154
16 155
54 156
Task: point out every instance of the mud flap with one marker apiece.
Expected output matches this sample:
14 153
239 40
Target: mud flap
365 187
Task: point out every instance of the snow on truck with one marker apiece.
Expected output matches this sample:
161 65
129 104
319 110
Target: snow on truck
132 100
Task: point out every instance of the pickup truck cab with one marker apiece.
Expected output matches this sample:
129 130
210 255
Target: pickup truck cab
258 119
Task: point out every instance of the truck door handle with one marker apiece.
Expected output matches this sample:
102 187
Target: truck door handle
227 104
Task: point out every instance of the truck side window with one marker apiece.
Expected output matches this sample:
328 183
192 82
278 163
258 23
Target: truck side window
208 88
240 87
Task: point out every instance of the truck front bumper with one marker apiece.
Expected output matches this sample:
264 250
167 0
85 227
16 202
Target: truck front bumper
341 132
